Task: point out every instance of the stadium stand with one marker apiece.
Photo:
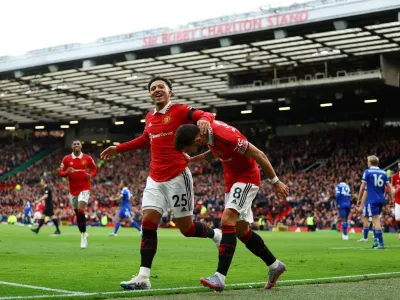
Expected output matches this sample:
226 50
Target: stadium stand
341 152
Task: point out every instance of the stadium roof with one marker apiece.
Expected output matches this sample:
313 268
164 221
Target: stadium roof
116 85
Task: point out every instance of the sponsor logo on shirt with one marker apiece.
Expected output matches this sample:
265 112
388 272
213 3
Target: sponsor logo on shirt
241 146
154 136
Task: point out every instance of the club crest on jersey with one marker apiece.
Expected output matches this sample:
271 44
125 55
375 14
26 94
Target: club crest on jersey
166 119
84 162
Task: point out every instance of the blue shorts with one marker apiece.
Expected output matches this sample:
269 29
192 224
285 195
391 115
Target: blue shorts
344 212
372 209
28 212
124 213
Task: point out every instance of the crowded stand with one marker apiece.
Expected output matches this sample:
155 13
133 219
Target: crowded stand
340 153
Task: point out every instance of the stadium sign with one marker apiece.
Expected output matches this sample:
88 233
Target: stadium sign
235 27
309 12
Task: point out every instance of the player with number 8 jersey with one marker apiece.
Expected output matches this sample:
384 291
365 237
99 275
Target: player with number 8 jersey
75 166
242 181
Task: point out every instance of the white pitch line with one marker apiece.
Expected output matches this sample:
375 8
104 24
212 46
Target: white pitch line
79 294
38 287
361 248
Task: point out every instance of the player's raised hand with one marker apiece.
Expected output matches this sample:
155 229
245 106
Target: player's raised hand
281 190
70 170
203 126
109 152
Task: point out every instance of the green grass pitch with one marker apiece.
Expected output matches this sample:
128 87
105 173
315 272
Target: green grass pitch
55 267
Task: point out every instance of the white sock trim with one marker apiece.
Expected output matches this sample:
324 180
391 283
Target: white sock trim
221 277
274 265
144 272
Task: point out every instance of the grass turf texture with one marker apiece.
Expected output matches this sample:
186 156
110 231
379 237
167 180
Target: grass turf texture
59 263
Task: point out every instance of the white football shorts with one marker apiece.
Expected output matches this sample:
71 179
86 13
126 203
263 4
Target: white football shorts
240 198
397 211
176 193
82 196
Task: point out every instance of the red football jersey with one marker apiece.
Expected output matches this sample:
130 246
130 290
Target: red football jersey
159 133
39 207
229 145
77 180
396 185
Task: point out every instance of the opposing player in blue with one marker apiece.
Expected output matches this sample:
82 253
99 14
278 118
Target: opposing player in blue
375 180
343 203
125 210
27 213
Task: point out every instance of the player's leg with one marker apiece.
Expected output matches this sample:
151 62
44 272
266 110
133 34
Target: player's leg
366 215
257 246
40 223
179 193
153 206
344 215
56 224
79 203
134 224
238 205
376 221
119 218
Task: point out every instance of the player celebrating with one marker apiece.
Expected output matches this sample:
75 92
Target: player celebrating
75 166
396 187
375 180
242 181
343 203
125 211
48 209
170 182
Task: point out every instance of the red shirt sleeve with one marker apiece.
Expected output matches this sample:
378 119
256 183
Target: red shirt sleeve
138 143
232 138
63 167
93 168
191 114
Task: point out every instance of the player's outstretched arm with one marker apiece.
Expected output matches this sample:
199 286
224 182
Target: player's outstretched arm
204 157
280 188
361 194
390 191
116 198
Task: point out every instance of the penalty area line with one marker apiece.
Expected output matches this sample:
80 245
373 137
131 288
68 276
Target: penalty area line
250 284
37 288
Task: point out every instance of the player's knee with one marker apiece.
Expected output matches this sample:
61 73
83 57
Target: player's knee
242 230
152 215
229 217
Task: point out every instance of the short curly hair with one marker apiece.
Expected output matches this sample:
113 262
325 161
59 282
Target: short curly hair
167 82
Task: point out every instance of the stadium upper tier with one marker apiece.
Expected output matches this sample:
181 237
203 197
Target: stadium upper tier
311 165
108 79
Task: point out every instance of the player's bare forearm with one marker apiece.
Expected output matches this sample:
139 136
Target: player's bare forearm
262 160
390 191
204 157
361 192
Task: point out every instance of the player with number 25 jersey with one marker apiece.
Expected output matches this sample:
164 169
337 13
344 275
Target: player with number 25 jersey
242 181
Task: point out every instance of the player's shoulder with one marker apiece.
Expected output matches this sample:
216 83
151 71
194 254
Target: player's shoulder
67 157
86 156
